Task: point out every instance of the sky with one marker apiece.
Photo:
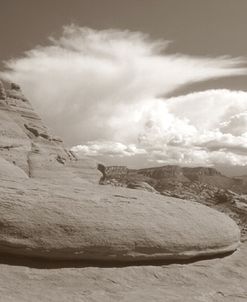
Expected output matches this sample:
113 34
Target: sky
139 83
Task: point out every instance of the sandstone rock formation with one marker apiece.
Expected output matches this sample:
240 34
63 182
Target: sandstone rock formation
51 207
57 221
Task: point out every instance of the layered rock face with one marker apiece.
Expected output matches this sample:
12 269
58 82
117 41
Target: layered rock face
27 143
25 140
52 207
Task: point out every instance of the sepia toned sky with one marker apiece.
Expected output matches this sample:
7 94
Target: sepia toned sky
141 82
197 27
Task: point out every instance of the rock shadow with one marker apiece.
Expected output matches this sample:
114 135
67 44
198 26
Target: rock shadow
43 263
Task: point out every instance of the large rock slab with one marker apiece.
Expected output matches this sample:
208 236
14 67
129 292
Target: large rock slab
102 223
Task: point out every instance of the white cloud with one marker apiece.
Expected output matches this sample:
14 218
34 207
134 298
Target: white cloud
204 128
108 148
100 91
236 125
199 128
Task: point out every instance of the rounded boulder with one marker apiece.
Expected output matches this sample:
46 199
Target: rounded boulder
103 223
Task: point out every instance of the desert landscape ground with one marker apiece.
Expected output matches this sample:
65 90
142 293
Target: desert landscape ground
65 237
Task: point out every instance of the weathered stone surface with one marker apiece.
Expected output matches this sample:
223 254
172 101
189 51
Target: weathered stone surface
104 223
10 171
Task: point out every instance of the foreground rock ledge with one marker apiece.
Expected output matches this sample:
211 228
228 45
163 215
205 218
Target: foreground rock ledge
102 223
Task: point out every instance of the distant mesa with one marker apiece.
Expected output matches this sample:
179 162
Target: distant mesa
51 205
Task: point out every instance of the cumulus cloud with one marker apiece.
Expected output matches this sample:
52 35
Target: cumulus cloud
199 128
202 128
108 148
236 125
100 91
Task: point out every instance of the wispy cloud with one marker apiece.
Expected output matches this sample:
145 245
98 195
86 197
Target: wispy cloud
101 90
